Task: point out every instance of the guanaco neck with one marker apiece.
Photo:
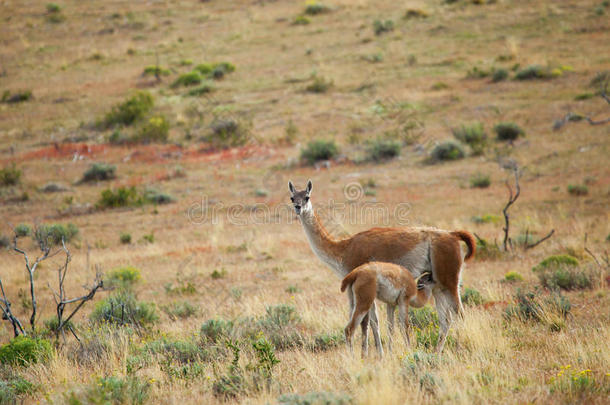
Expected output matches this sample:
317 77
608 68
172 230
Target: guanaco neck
327 248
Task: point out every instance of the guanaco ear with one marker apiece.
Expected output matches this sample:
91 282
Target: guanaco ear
291 187
309 187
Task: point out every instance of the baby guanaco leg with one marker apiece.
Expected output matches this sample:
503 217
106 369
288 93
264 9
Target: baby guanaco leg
403 319
390 311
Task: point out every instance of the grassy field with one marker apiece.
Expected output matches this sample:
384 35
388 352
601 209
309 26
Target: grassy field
227 302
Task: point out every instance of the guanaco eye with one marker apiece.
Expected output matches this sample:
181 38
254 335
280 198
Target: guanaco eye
292 199
306 199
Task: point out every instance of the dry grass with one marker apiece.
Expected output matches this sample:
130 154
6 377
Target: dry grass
79 68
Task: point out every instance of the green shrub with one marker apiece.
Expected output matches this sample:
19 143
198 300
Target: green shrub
326 341
446 151
383 149
381 27
13 388
473 135
280 325
415 13
301 20
113 390
19 97
470 296
218 274
148 238
122 308
54 233
319 85
121 197
156 71
10 176
315 8
563 272
228 133
319 150
530 305
23 230
508 131
125 238
188 79
578 189
486 219
480 180
123 277
513 276
221 69
180 351
24 350
182 310
155 196
533 72
155 130
204 68
216 330
99 172
131 110
477 73
53 8
203 88
315 398
584 96
499 75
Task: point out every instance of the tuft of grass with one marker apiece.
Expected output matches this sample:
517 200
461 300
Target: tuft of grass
533 72
156 71
578 189
25 350
301 20
203 88
381 149
125 238
477 73
563 272
316 8
487 250
181 309
584 96
447 151
381 27
120 197
99 172
512 277
10 176
470 296
13 388
113 390
188 79
228 133
532 306
486 219
218 274
123 277
315 398
215 330
499 75
19 97
154 196
53 8
319 149
480 180
326 341
22 230
473 135
122 308
129 111
319 85
156 129
508 131
415 13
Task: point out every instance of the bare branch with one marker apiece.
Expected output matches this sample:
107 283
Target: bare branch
533 245
511 200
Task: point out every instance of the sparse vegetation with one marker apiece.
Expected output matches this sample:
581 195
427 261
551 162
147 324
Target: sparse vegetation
99 172
513 276
130 111
316 7
319 85
10 176
155 130
533 72
508 131
381 149
53 234
447 151
470 296
319 149
480 180
499 75
228 133
563 272
122 308
123 277
381 27
120 197
25 350
125 238
188 79
473 135
578 189
18 97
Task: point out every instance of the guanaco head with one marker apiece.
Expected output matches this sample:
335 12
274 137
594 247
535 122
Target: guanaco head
300 199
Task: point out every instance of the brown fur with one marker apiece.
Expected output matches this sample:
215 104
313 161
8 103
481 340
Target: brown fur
397 289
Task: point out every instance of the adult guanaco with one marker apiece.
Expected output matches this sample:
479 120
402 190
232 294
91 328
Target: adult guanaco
417 249
389 283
